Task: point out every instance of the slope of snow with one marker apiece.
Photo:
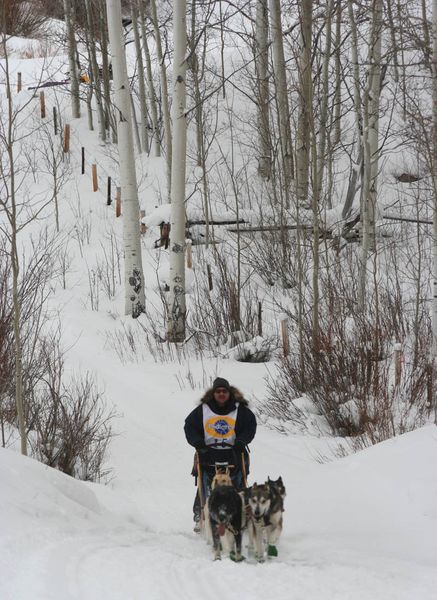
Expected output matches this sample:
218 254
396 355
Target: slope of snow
362 527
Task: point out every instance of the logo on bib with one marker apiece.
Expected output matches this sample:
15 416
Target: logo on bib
220 427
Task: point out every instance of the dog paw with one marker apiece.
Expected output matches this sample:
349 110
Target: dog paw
236 557
272 550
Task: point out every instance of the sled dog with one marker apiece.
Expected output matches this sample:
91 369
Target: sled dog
221 477
266 506
278 486
225 512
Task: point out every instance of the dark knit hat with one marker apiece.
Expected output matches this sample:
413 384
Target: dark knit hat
220 383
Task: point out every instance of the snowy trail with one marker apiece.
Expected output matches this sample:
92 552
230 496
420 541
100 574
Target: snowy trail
123 563
63 539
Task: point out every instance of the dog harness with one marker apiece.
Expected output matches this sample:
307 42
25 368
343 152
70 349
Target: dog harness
219 428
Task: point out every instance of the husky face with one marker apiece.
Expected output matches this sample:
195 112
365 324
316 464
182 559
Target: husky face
259 500
277 486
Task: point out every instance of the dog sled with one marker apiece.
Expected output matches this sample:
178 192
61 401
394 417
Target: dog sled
228 511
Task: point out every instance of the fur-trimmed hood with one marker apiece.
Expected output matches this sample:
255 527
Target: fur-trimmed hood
235 393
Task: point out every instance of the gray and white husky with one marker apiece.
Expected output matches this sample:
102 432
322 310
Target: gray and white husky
226 516
266 503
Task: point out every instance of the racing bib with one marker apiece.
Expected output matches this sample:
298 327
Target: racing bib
219 428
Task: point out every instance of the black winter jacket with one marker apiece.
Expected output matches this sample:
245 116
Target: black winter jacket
245 429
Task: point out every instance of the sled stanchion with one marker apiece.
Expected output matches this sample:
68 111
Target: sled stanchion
83 161
18 82
243 470
200 490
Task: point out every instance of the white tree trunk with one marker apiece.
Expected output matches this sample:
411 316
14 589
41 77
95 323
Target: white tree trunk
164 94
282 94
352 188
74 76
94 70
434 172
176 317
321 152
134 278
150 85
262 78
141 83
370 145
305 108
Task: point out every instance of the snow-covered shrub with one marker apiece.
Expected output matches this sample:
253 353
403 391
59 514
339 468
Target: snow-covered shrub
350 377
227 313
20 18
71 426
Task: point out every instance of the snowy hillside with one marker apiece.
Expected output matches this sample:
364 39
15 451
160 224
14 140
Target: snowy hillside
363 527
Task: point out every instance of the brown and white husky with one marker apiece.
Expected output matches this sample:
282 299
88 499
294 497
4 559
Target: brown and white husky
266 504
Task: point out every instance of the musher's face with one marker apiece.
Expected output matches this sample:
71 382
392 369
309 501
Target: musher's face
221 396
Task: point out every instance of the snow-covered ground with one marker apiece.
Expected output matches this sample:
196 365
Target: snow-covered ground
359 528
363 527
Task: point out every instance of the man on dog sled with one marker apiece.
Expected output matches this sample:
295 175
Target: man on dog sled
220 429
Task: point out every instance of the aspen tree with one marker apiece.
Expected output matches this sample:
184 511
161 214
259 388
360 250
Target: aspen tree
74 75
106 73
164 94
434 177
321 158
197 74
282 94
141 84
94 70
262 79
134 278
370 145
176 316
150 85
352 188
305 102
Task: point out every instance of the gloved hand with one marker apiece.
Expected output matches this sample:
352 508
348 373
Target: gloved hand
201 449
239 446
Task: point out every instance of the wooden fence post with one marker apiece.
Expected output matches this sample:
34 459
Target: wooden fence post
55 120
284 335
108 193
94 175
67 138
260 323
189 250
118 202
42 104
18 83
83 160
